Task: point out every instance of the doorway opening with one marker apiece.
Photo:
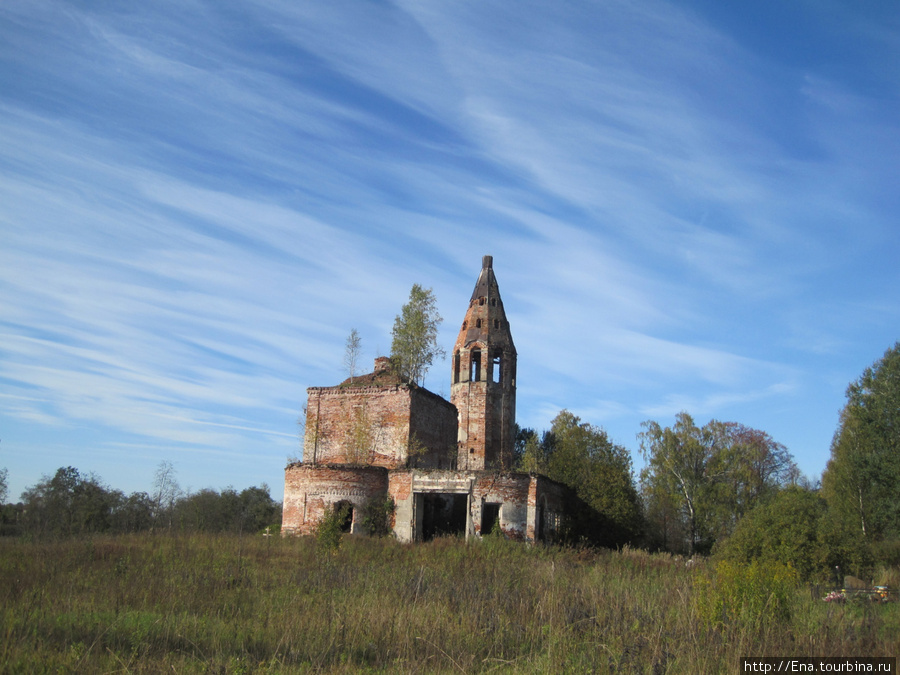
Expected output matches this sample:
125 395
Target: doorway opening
443 515
344 511
490 518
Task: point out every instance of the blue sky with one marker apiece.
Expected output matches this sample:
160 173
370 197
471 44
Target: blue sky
691 206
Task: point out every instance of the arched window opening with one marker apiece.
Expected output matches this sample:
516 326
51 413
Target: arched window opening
493 302
344 513
477 323
475 369
497 367
456 368
496 323
480 301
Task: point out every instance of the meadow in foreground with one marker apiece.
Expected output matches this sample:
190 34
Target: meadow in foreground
229 604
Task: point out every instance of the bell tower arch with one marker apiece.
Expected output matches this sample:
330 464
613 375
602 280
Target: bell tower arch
483 384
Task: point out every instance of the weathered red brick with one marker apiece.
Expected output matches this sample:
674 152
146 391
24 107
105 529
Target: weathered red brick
376 435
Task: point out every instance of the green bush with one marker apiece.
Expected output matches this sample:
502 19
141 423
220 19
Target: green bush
329 529
784 531
377 514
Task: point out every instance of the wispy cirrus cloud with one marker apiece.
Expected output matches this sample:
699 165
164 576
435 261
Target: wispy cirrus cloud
199 200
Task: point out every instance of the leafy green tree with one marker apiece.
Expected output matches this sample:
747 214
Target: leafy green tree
523 435
133 513
67 504
534 458
750 466
861 479
795 527
414 335
680 469
785 530
599 471
4 485
530 452
258 509
209 510
700 481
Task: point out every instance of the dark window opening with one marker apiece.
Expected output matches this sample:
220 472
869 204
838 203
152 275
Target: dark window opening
344 511
465 325
490 518
444 515
475 370
494 302
480 301
496 323
477 323
456 367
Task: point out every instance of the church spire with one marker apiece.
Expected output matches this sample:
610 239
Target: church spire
483 385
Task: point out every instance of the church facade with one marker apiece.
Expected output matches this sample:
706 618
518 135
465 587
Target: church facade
446 465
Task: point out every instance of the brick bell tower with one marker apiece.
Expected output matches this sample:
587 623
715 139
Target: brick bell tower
483 385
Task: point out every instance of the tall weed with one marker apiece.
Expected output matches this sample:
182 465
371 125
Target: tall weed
740 594
223 604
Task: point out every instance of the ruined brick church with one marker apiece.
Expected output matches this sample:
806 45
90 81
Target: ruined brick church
447 465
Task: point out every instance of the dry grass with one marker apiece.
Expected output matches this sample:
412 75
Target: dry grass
221 604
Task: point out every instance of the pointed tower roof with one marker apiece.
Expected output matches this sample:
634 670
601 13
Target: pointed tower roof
483 384
485 320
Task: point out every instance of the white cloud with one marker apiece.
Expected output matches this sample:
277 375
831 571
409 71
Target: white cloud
196 208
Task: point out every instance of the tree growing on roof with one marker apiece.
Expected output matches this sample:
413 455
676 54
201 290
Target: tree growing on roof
414 336
351 353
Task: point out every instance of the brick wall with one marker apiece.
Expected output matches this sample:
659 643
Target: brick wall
372 425
433 423
357 425
510 490
310 490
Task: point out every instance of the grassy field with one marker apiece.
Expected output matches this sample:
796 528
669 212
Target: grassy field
216 604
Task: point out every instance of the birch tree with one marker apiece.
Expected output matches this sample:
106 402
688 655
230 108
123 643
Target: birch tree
414 336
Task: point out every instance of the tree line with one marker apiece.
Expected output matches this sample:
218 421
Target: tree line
722 487
72 503
734 491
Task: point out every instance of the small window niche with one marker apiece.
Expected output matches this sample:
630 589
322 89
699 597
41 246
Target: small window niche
475 366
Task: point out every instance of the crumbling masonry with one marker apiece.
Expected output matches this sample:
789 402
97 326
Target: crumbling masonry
445 464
